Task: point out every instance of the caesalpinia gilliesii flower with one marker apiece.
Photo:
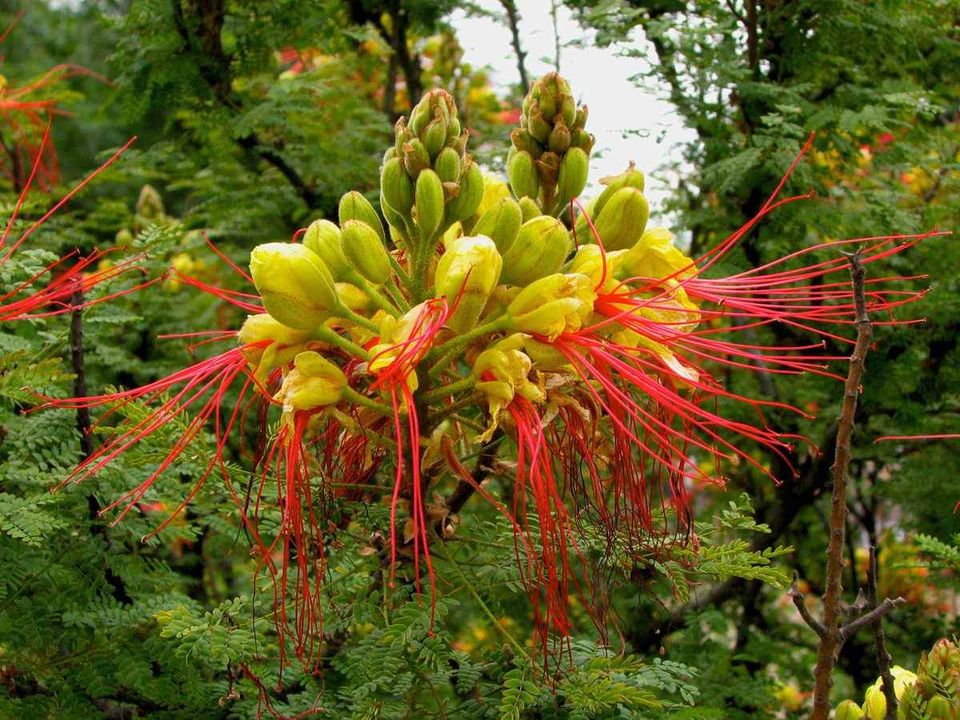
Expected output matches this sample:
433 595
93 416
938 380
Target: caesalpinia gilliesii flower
472 317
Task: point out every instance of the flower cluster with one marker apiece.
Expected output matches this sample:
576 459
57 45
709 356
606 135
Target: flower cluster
476 322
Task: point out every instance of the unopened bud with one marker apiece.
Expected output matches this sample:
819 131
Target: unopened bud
848 710
623 218
416 159
323 238
573 175
447 165
541 246
149 204
631 177
365 251
429 201
354 206
522 172
501 223
559 141
529 208
466 274
294 284
468 200
396 189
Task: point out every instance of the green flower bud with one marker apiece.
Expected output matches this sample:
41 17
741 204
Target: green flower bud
559 141
468 200
548 169
448 165
583 140
314 382
523 141
538 127
529 208
553 305
453 130
434 136
149 204
396 188
522 173
352 297
501 223
541 247
428 203
631 177
622 220
396 221
939 708
848 710
295 286
469 270
365 251
573 175
323 238
354 206
415 158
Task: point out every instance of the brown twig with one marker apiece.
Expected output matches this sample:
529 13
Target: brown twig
465 489
880 640
799 599
513 20
78 362
831 640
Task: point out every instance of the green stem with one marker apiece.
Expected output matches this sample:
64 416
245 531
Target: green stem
360 399
394 292
349 314
483 606
375 295
452 347
401 273
453 388
327 335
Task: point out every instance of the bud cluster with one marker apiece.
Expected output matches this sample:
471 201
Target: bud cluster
550 157
428 180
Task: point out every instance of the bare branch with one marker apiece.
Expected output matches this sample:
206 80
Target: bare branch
831 640
799 599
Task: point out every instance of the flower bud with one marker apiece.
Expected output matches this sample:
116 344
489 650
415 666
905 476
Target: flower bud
365 251
448 165
541 246
874 704
466 274
501 223
429 201
415 157
522 172
396 188
314 382
623 218
434 136
149 204
655 256
529 208
848 710
296 287
573 175
553 305
323 238
352 297
354 206
468 200
537 125
631 177
559 141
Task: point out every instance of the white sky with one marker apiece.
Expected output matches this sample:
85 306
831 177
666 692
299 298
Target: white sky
600 79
